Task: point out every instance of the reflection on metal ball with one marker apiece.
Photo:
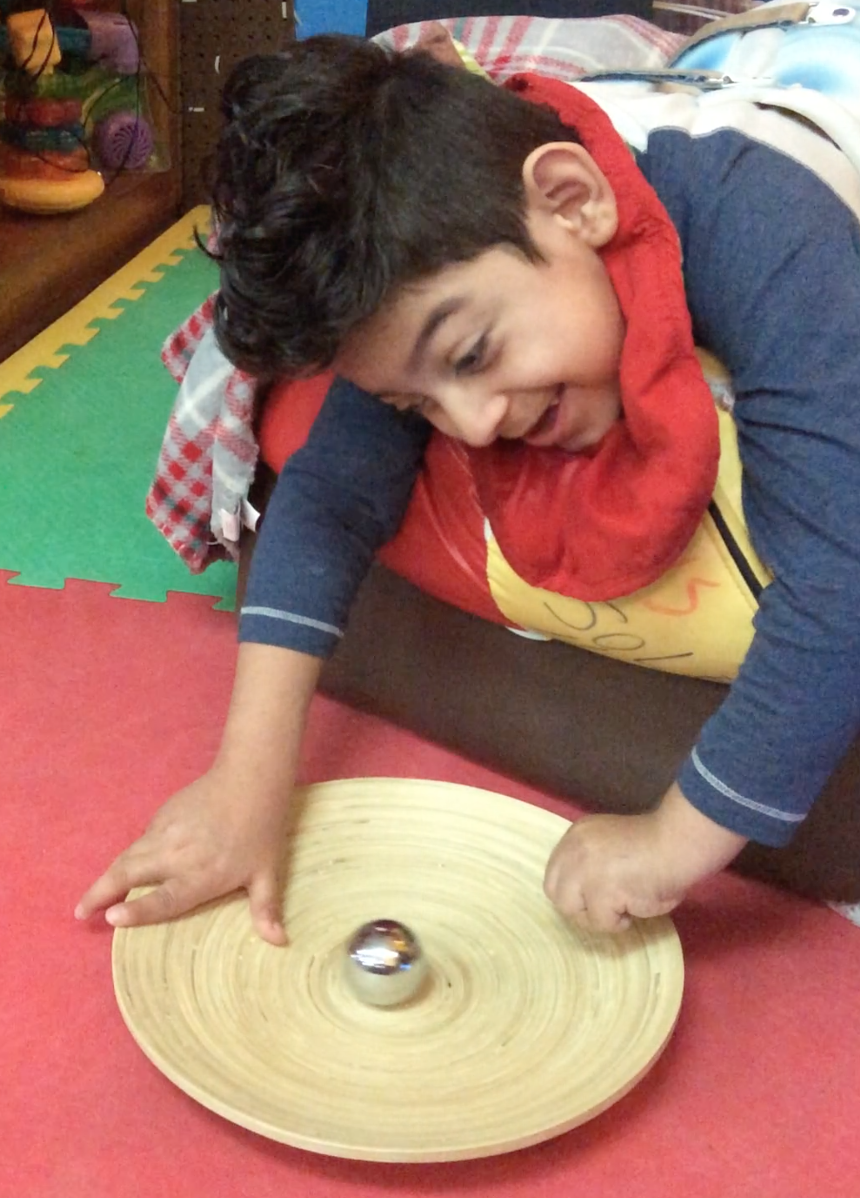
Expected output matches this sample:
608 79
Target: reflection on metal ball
384 963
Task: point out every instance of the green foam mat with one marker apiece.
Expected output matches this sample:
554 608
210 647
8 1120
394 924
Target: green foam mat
84 409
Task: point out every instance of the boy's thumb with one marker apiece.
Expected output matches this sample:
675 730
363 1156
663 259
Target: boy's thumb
266 900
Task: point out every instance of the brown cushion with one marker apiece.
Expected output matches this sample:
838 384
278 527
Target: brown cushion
607 735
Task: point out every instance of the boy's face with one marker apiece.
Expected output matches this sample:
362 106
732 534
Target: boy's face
501 346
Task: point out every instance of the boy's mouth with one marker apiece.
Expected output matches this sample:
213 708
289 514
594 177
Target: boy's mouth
545 424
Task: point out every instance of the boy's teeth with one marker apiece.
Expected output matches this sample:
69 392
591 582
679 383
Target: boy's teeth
547 420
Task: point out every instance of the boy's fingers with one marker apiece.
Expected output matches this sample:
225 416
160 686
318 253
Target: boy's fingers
437 41
165 902
596 915
607 919
114 883
565 895
656 907
600 918
265 898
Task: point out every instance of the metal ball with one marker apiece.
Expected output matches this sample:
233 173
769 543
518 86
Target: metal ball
384 964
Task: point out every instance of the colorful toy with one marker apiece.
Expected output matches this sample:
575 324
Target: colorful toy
44 165
107 38
33 42
47 197
74 106
123 140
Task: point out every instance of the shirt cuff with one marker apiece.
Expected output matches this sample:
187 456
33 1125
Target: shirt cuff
288 630
738 812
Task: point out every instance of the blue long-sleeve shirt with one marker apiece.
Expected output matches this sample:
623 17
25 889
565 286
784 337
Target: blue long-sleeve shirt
772 276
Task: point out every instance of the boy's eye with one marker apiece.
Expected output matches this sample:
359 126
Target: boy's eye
473 359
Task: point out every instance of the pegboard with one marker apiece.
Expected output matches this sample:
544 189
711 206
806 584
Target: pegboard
213 36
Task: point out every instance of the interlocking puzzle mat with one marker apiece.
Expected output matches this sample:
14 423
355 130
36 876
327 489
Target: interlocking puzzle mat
106 707
83 409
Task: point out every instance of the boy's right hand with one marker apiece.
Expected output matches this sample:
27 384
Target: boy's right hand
436 41
206 841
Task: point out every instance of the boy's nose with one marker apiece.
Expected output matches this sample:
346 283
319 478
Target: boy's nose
479 420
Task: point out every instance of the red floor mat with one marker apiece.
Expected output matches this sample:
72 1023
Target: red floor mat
107 707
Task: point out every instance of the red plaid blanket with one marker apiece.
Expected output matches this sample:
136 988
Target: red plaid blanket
198 499
209 453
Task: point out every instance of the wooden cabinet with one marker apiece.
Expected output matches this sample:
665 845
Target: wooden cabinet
48 263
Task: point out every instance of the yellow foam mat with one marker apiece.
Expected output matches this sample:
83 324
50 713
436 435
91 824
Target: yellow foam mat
76 327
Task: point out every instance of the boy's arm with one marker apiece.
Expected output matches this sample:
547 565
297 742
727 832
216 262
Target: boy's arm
609 868
776 298
335 503
772 268
226 830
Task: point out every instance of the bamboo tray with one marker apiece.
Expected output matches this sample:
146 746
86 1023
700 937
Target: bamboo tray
526 1028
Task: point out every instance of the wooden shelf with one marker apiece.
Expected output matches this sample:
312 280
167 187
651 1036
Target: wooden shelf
48 263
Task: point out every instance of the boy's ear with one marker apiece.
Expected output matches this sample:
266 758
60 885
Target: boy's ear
563 180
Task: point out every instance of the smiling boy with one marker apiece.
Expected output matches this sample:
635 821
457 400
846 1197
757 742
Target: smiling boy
455 252
502 346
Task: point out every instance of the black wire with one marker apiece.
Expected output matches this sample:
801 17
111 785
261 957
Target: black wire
37 74
174 110
138 87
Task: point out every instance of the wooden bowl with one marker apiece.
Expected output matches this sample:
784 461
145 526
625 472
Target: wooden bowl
526 1027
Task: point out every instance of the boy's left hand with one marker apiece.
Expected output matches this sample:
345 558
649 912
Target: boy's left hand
609 868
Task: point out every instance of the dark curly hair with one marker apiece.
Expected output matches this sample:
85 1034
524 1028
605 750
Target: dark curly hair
346 170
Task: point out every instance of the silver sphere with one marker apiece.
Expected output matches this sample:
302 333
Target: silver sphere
384 964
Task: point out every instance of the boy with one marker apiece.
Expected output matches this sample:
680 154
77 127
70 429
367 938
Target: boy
466 264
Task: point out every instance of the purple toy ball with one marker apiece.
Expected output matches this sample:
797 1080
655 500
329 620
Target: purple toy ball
123 141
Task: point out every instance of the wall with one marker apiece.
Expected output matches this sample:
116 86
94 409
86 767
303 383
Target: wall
330 16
